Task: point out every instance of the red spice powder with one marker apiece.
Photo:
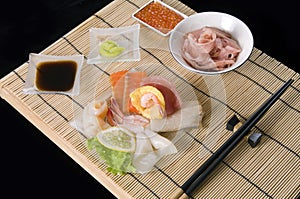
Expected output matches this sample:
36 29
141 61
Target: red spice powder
159 17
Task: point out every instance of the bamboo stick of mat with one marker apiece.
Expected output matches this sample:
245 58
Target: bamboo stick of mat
205 169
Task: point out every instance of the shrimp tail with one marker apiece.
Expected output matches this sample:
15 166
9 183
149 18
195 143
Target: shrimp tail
116 116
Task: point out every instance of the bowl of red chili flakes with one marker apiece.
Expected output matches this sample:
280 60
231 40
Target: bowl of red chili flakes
158 16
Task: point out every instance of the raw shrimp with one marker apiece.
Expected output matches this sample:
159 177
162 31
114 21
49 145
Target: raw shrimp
117 117
148 100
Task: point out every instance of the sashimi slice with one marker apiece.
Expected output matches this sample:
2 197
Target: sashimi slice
116 76
123 83
117 81
132 81
168 89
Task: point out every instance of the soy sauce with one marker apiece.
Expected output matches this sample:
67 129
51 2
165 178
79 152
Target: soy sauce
56 75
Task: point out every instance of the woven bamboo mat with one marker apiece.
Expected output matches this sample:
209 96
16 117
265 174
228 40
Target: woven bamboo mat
271 170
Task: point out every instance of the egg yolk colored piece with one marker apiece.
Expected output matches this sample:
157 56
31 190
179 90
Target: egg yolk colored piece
149 102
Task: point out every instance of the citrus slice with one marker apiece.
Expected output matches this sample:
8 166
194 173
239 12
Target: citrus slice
117 138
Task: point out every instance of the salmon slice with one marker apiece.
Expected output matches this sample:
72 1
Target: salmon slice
117 81
115 77
132 81
123 83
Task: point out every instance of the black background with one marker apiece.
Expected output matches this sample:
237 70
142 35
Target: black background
34 167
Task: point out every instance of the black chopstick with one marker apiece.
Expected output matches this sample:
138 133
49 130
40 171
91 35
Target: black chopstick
205 169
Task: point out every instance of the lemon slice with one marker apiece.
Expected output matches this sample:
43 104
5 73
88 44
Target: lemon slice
117 138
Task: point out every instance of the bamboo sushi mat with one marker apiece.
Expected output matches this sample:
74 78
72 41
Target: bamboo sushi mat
270 170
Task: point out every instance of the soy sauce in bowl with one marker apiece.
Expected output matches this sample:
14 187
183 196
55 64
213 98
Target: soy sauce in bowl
55 75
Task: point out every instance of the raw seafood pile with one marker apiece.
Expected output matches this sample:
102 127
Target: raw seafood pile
128 129
210 49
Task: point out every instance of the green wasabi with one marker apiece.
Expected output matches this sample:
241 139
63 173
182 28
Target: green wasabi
110 49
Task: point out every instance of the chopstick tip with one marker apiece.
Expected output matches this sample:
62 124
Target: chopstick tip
184 196
178 192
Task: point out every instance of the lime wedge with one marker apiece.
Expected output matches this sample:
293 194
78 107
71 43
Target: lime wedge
117 138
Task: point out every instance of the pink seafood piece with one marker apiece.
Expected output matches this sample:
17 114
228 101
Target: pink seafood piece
168 89
117 117
210 49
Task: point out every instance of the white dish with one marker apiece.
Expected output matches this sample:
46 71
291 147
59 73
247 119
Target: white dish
228 23
51 77
127 37
96 86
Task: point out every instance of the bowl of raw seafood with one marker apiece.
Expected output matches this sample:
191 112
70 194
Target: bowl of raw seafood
211 43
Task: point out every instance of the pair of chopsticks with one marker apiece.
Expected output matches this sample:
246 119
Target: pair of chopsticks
205 169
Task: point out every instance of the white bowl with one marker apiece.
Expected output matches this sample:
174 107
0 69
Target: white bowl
228 23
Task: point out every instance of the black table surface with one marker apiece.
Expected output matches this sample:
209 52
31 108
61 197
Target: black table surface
33 164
